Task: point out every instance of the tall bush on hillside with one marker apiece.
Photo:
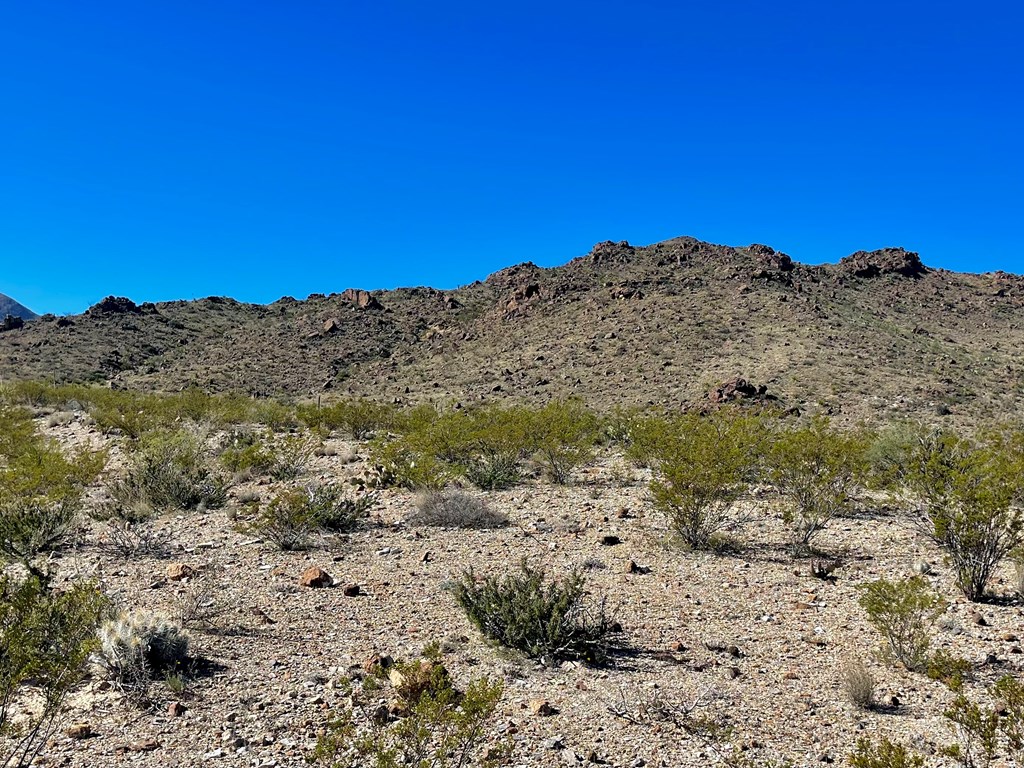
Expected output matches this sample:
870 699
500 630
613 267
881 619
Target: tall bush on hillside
968 495
702 467
816 468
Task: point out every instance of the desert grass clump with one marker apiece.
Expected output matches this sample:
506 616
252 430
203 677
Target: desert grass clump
969 494
455 509
903 611
168 471
859 684
546 620
46 639
136 648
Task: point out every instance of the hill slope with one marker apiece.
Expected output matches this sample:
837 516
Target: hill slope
9 306
878 333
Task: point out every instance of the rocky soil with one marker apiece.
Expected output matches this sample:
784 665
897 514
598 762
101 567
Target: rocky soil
752 637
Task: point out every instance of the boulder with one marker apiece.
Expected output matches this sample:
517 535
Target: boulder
115 305
360 298
315 577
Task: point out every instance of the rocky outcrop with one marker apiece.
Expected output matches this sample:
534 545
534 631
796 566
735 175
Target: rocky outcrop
739 389
886 261
115 305
360 299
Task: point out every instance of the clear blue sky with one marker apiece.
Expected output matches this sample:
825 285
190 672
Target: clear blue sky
180 149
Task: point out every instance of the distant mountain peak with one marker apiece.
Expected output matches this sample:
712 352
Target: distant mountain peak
9 306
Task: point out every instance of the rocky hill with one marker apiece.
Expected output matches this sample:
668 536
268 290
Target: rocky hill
875 335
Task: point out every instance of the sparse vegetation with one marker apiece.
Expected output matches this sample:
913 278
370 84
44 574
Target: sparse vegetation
46 638
547 620
903 611
969 494
428 722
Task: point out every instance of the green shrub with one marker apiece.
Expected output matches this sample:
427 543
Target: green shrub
245 451
969 494
494 472
977 732
359 419
948 669
884 754
30 526
564 435
815 468
46 639
293 516
455 509
426 722
902 611
703 466
544 620
396 462
168 471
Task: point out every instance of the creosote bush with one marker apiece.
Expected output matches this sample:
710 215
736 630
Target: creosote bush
884 754
546 620
902 611
703 465
46 638
41 489
455 509
816 468
969 494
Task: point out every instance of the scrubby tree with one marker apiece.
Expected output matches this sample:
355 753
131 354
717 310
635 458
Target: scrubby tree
703 465
968 494
816 468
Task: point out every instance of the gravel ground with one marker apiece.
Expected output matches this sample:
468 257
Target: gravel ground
278 652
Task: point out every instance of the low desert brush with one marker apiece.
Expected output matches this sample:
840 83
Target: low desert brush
547 620
903 612
455 509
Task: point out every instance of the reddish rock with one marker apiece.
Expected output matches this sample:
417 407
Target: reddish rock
315 577
360 298
180 571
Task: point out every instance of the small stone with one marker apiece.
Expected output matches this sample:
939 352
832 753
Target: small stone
978 619
632 567
733 651
556 743
541 708
180 571
732 672
351 590
610 540
176 709
80 731
146 745
315 577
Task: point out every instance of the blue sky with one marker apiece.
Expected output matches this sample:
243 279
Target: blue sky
166 150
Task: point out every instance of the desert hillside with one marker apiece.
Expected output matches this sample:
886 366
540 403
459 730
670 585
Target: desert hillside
876 335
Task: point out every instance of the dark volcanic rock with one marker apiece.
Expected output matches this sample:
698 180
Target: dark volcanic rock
887 261
115 305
